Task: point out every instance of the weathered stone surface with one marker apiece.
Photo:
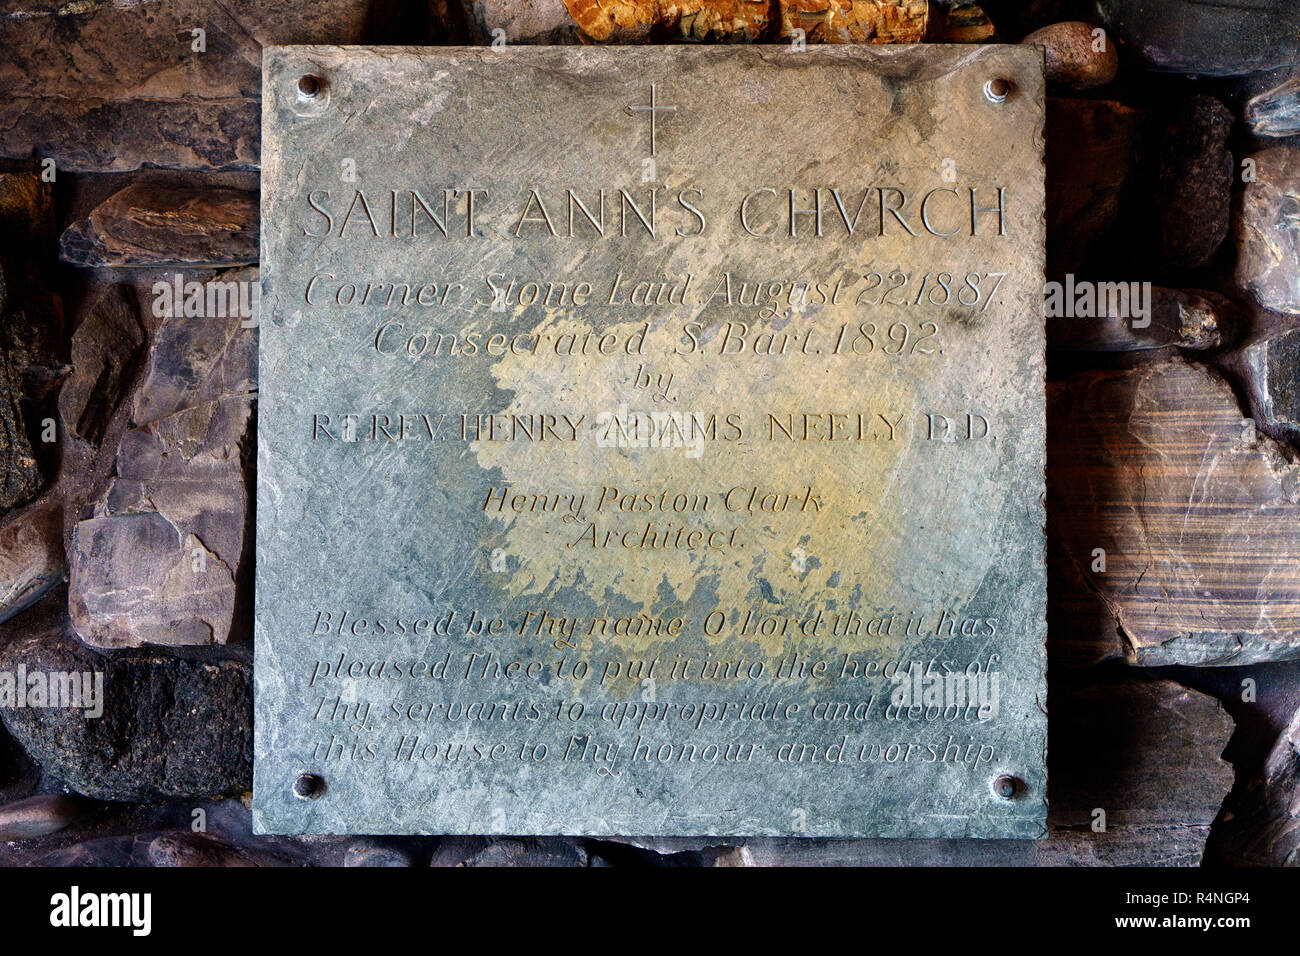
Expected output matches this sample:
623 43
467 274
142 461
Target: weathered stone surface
1270 368
1268 231
38 816
374 853
1222 38
26 208
634 21
31 556
967 23
1149 753
113 86
1090 150
1196 514
20 478
860 21
106 349
151 224
353 514
193 361
1276 112
490 851
159 561
1261 824
170 728
189 849
1194 183
1076 58
1192 319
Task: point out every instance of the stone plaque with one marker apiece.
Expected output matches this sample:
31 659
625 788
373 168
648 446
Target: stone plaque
650 441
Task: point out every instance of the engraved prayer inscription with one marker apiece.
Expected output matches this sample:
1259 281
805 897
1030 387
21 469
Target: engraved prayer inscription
650 442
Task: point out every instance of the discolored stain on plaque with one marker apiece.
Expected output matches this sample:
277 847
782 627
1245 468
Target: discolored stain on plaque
651 442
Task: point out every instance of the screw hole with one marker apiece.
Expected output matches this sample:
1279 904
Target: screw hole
309 86
997 90
308 786
1008 787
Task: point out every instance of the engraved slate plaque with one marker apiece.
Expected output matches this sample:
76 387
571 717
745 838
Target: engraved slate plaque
651 442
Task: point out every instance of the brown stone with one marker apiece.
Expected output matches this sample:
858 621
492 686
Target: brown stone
20 477
859 21
106 351
1075 57
636 21
149 224
26 208
1196 514
114 86
1268 241
31 556
967 23
1090 148
1194 183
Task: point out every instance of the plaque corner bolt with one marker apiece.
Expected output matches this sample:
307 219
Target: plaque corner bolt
1008 787
997 90
308 786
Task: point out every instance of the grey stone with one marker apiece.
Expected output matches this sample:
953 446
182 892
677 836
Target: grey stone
1261 824
106 350
487 851
189 849
1268 231
359 512
38 816
1276 112
1194 319
1270 368
170 728
154 224
31 557
159 559
1194 183
1223 38
373 853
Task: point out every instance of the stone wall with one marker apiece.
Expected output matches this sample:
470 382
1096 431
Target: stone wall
128 173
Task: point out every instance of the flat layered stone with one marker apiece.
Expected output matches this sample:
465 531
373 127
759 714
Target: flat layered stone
1222 38
1178 513
1194 319
151 224
1268 243
115 86
106 351
31 557
159 559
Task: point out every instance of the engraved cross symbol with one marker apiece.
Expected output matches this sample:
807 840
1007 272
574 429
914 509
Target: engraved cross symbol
653 109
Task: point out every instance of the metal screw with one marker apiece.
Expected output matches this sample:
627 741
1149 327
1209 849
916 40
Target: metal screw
1006 786
997 90
309 86
308 786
